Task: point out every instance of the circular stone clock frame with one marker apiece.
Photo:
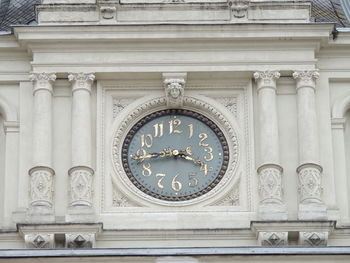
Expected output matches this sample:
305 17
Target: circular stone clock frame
135 112
175 112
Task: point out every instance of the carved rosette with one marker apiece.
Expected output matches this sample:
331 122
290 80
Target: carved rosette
273 239
174 92
81 80
313 239
39 241
306 78
80 240
266 79
41 186
270 184
310 187
80 188
42 81
239 8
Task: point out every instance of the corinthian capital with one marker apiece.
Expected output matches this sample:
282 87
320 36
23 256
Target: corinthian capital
81 80
266 79
42 80
306 78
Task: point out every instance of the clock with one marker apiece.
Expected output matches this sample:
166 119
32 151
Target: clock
175 155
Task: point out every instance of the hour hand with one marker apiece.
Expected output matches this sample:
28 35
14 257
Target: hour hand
196 161
140 158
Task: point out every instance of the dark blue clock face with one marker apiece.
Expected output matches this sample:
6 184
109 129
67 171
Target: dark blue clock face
175 155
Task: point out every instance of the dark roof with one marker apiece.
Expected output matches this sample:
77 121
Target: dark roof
23 12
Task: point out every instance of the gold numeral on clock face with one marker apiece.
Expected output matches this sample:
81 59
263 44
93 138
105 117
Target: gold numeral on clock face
193 181
210 155
204 168
190 130
173 125
158 130
160 180
146 169
176 185
146 140
202 137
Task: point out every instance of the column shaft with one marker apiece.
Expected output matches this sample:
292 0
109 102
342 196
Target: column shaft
271 205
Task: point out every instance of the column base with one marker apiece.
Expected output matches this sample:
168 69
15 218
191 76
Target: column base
40 214
80 214
272 212
312 211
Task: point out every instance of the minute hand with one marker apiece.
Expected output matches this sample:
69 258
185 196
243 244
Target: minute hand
196 161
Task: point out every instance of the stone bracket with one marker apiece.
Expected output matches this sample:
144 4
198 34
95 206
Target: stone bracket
174 85
66 235
283 233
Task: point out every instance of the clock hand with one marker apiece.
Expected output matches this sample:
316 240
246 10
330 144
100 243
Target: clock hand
196 161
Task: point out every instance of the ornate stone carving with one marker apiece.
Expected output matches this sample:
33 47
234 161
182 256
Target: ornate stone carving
273 239
310 187
266 79
41 186
108 12
81 80
42 80
120 200
119 105
239 8
39 240
232 199
80 188
270 184
313 239
80 240
230 103
306 78
174 92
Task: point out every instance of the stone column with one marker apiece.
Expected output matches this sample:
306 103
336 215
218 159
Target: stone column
41 174
311 206
81 174
271 205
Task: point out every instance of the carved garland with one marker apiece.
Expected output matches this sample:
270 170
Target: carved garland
160 103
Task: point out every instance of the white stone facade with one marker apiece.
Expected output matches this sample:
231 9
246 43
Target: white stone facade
277 86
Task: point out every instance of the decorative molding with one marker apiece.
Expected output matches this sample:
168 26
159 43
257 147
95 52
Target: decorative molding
313 239
119 105
306 79
81 81
80 240
270 184
273 239
108 12
230 103
39 241
80 187
174 85
42 81
309 183
239 8
158 103
41 186
266 79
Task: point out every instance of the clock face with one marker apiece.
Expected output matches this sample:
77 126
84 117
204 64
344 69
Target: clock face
175 155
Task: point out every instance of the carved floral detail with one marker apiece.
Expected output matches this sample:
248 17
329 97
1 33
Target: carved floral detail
266 79
239 8
270 184
80 240
273 239
42 81
232 199
119 105
230 103
174 92
41 186
306 78
81 80
314 239
39 240
80 188
310 188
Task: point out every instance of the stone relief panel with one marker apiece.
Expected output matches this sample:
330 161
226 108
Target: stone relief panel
230 103
120 104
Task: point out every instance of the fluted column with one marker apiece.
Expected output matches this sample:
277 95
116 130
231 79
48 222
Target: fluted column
41 174
311 206
271 206
81 174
